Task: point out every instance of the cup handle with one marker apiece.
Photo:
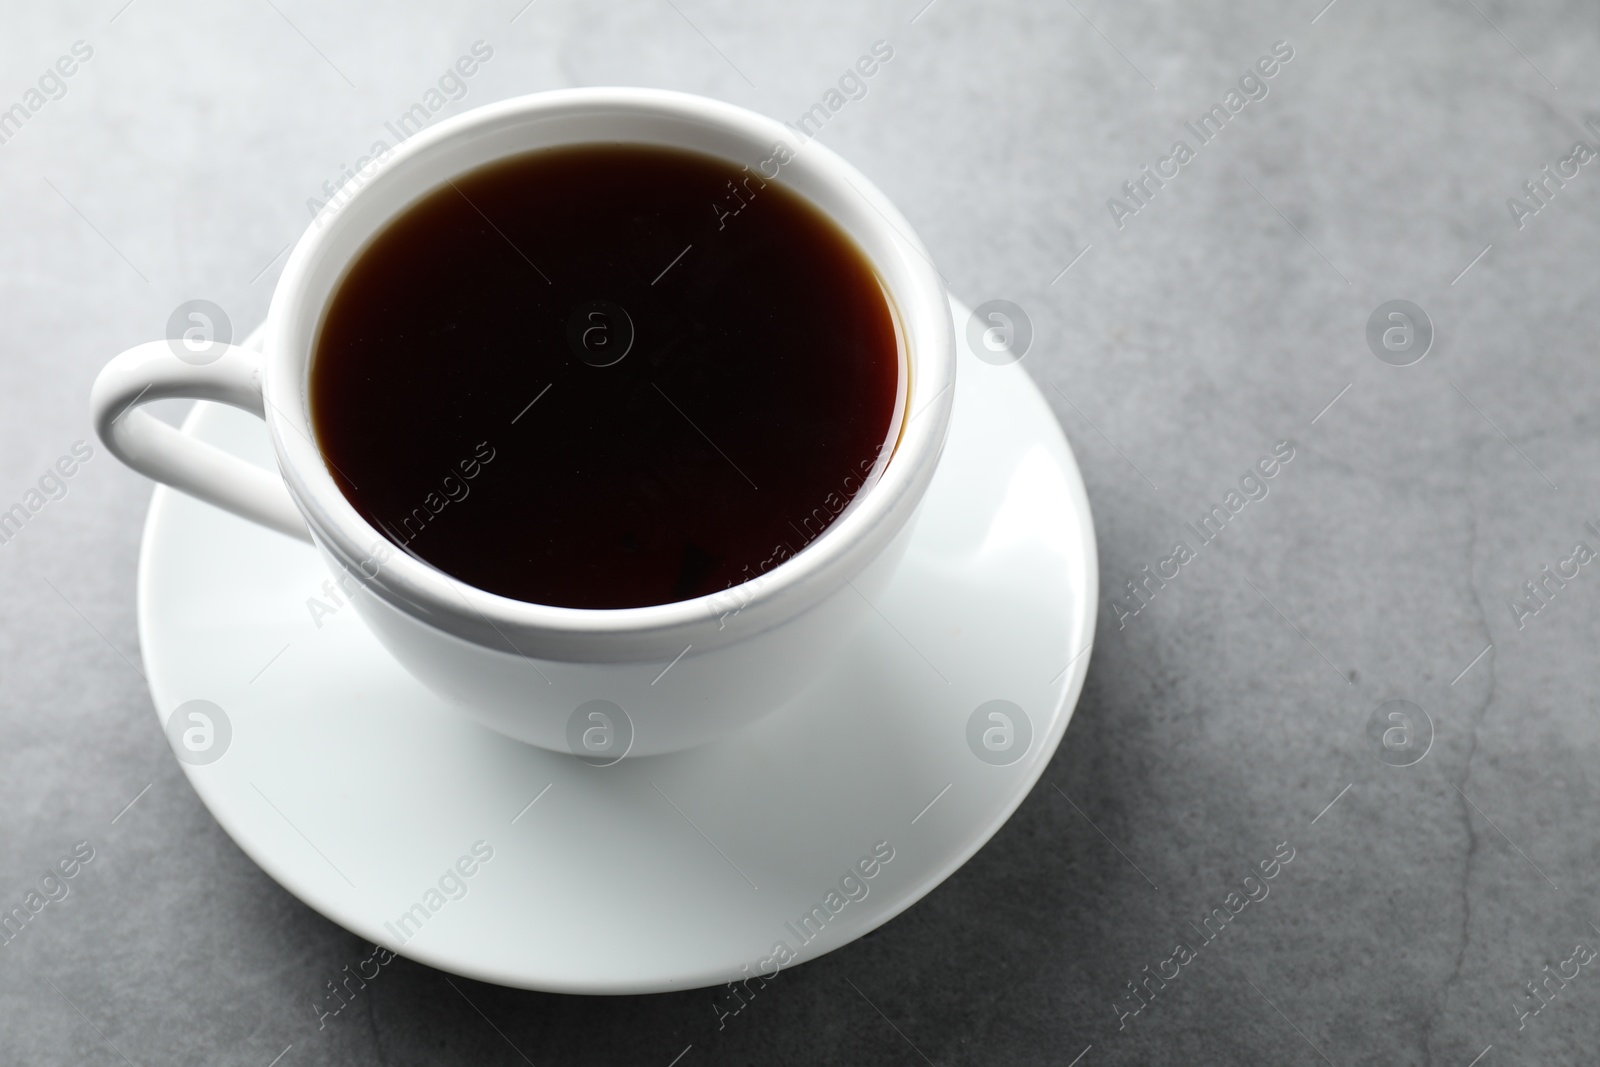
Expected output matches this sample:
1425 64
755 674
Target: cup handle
153 371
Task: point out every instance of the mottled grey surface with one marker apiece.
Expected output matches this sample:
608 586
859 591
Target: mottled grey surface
1221 318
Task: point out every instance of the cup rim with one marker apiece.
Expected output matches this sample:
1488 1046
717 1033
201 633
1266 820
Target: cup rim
821 568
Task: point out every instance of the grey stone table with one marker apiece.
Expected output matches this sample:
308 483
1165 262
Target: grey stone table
1192 309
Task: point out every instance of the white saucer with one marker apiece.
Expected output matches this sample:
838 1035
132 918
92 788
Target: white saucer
356 789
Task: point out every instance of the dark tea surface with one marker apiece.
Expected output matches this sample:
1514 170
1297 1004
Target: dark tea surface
606 376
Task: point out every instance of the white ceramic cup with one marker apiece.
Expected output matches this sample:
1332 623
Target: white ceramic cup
571 680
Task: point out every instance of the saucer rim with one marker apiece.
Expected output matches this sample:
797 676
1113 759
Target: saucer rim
1083 615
